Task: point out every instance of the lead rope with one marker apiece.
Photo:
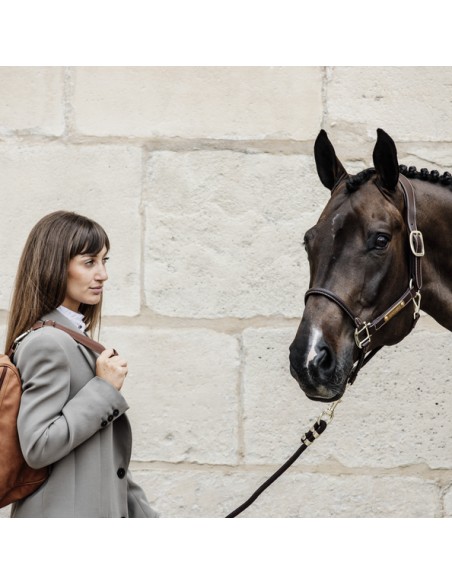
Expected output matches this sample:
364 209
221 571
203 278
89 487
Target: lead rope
306 440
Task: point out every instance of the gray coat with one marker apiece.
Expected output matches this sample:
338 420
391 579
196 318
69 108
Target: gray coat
75 422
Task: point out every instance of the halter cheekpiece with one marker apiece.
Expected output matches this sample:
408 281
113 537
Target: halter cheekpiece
364 330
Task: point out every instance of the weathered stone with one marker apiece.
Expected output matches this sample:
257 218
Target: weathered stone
216 493
224 233
31 100
182 389
362 99
199 102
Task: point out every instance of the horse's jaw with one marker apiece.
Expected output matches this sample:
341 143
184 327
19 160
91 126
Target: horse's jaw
318 392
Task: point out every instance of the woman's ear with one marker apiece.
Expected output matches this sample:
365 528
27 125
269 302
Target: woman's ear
329 168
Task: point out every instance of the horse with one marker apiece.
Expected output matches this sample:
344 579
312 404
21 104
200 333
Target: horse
380 251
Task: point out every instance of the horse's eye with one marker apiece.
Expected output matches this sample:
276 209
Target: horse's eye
382 241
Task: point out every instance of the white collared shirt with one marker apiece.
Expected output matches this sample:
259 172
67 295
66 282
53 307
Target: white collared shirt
75 317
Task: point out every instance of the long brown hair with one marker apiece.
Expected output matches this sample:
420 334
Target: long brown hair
41 279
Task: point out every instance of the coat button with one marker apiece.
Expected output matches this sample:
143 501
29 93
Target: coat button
116 413
103 423
121 473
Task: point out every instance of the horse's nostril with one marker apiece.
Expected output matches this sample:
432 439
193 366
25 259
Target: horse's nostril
324 361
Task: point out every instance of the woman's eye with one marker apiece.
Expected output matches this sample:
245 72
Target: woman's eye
382 241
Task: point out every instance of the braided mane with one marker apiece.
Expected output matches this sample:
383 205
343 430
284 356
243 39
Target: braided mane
355 181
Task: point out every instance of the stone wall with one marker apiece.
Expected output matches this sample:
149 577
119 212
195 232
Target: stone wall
204 179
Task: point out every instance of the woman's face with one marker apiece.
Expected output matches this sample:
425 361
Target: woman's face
85 280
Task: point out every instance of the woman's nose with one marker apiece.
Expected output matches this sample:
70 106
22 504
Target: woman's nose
101 274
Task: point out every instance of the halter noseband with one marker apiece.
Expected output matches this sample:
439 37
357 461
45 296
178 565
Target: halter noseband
364 330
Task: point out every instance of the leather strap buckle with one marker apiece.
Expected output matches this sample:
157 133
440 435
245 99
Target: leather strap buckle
362 343
417 305
416 237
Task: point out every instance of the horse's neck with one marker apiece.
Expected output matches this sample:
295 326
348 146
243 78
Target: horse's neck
434 218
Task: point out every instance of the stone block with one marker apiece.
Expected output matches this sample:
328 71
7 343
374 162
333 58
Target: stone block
32 100
199 102
102 182
215 493
224 233
182 389
410 103
448 501
398 412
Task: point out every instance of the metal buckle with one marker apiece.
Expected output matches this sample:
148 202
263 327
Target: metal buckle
364 342
328 414
19 339
418 234
417 305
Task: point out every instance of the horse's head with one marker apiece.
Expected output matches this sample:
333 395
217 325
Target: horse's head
359 252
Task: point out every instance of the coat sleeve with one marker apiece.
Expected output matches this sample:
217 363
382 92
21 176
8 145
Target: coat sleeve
137 502
50 425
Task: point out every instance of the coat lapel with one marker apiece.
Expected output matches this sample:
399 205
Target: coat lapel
61 319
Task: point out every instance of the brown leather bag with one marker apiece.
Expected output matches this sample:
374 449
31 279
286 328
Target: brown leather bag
17 479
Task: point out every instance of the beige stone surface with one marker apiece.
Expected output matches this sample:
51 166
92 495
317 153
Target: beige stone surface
198 102
411 103
32 100
182 389
224 233
216 493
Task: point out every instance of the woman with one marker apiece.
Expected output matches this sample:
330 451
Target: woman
71 414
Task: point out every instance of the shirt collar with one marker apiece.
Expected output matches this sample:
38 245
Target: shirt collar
75 317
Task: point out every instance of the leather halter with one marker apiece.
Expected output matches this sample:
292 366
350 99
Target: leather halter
364 330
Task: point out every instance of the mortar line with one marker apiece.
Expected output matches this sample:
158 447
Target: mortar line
326 74
241 401
442 477
68 108
142 213
275 147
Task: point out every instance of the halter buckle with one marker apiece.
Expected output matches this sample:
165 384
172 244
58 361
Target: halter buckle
413 234
362 343
417 305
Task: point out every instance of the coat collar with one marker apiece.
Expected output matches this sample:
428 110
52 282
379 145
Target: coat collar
61 319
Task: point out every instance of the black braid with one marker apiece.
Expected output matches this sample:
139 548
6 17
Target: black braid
355 181
424 174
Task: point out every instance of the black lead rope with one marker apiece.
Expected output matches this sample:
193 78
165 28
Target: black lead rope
307 439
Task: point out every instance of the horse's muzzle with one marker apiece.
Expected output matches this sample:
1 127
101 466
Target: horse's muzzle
317 371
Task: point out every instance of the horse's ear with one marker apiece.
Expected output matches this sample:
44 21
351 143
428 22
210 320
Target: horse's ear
385 160
329 167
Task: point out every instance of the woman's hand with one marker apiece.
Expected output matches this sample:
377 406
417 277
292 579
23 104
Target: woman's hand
112 368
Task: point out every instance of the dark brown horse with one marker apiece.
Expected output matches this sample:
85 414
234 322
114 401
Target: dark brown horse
368 269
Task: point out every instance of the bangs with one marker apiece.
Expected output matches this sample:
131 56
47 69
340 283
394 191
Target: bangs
89 239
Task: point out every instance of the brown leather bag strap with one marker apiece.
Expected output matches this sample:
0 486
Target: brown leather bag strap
82 339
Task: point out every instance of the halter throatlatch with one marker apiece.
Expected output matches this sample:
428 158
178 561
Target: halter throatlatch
365 330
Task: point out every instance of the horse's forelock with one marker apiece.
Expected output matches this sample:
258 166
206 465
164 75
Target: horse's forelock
357 180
